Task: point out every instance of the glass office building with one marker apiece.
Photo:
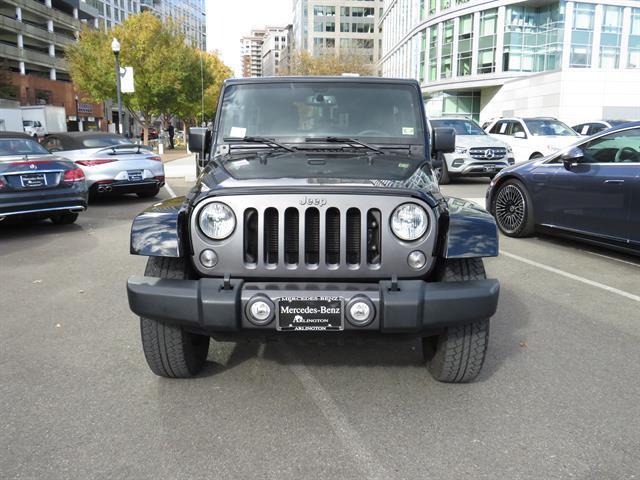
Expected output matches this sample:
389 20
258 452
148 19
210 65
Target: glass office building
469 54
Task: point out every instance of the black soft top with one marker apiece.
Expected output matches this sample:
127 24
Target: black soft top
16 135
74 140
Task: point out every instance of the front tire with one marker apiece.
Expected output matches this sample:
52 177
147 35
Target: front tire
457 354
64 218
512 208
442 172
171 351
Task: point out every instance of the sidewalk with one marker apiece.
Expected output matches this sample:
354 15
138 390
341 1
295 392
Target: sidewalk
183 167
171 155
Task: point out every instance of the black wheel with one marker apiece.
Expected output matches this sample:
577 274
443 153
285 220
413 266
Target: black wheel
64 218
513 209
442 172
170 351
149 193
457 354
535 155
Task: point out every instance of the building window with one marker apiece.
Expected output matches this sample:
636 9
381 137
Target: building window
611 37
582 35
345 11
423 49
324 11
465 38
432 7
433 53
634 40
462 103
487 41
422 9
444 4
345 27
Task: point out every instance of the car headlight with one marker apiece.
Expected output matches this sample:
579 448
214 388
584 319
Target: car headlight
409 221
461 150
217 221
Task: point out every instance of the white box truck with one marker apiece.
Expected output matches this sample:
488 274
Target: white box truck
10 119
52 119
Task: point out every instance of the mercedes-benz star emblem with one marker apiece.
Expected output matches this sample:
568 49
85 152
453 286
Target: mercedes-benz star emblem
489 153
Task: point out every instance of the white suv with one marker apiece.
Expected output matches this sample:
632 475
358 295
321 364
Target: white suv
532 137
477 154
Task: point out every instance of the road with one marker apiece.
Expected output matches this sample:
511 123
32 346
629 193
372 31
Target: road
558 397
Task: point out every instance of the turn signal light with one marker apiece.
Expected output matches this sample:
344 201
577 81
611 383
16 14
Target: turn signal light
93 163
157 159
76 175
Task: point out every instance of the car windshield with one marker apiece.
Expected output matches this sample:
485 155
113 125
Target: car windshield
21 146
545 127
293 111
27 123
105 141
462 127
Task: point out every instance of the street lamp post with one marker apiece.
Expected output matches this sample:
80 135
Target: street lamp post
115 46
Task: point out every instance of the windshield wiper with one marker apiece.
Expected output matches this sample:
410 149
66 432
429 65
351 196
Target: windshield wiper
267 141
347 140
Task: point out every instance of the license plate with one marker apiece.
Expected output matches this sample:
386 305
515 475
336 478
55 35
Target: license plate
33 180
135 176
489 168
309 314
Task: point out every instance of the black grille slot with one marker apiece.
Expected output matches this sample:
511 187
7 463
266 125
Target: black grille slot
353 236
291 235
312 236
332 237
250 235
271 236
373 236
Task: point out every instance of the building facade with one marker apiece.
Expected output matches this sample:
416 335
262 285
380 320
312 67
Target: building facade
251 53
337 27
189 15
572 60
274 45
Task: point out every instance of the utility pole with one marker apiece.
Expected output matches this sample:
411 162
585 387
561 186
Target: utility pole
115 46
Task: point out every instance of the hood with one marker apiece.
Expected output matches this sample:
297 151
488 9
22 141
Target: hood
469 141
319 169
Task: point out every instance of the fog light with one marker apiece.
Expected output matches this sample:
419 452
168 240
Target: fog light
417 260
360 311
209 258
458 162
260 310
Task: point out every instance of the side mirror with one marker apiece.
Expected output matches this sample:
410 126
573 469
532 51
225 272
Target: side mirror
519 135
199 140
444 140
574 155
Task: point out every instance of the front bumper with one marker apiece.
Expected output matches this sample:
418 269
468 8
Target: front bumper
415 307
460 165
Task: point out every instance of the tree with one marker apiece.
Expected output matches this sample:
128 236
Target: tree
303 63
166 69
7 88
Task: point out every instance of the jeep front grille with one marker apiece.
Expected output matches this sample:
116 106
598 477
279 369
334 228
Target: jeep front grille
332 238
482 153
333 235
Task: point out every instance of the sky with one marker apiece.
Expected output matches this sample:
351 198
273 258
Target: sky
229 20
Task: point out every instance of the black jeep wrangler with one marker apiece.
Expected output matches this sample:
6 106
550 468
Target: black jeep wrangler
316 216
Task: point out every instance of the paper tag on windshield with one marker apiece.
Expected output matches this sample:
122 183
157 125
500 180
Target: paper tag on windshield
408 130
238 132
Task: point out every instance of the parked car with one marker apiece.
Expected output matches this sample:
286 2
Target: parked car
37 184
596 126
590 191
476 155
111 163
532 137
317 223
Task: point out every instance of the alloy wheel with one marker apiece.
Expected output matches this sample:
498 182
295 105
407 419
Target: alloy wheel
510 208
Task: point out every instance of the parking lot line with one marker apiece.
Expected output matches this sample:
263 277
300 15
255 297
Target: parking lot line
169 189
572 276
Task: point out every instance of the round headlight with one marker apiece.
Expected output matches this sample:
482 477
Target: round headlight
217 221
409 221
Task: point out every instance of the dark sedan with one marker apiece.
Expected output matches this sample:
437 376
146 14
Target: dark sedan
590 191
34 182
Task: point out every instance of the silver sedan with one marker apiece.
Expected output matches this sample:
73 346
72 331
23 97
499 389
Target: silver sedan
111 163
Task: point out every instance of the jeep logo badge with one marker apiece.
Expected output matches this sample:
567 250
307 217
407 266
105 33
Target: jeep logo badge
33 166
315 202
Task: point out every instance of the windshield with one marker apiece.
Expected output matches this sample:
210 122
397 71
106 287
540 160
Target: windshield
544 127
27 123
462 127
21 146
385 113
105 142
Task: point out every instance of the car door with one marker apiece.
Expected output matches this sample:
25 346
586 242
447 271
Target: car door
595 195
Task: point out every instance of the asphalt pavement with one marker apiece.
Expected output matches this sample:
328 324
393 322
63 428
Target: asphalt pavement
558 397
